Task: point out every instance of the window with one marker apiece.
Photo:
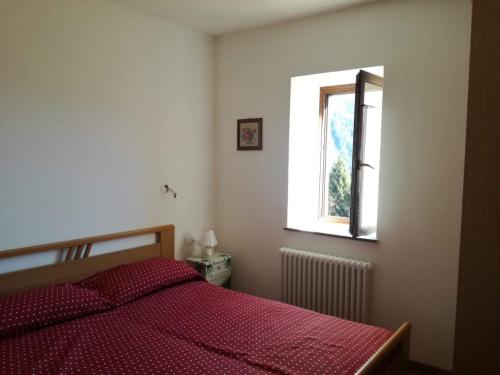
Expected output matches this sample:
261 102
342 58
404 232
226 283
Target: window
342 164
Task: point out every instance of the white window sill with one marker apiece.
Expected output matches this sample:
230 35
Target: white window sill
331 230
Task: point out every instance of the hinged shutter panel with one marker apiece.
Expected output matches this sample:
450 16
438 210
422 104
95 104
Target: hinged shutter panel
366 153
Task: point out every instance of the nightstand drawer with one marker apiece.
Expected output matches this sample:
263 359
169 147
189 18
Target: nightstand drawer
215 269
219 278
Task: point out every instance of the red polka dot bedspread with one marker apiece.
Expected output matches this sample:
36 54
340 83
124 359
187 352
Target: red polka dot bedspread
194 328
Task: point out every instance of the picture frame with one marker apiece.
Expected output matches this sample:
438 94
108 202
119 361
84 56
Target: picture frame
249 134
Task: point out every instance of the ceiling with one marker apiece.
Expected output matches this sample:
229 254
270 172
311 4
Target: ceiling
217 17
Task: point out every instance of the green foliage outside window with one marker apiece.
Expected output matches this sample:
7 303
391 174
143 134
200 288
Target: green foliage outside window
339 190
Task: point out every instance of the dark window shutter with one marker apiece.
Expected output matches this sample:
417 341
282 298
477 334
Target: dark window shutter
366 147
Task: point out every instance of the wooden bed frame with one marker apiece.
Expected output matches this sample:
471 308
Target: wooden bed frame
77 264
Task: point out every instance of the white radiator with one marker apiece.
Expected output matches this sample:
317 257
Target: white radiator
326 283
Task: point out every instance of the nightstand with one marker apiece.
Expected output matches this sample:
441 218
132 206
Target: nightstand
215 269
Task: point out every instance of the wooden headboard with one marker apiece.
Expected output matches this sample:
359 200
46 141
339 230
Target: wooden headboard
76 262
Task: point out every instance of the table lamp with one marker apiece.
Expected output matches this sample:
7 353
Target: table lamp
207 242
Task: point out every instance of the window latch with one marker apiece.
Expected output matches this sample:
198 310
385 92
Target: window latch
361 164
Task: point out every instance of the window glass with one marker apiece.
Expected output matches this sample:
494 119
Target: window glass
340 127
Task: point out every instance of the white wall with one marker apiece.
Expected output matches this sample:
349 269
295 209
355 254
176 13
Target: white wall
424 46
99 106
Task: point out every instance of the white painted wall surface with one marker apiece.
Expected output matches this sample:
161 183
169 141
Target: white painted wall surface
99 106
424 46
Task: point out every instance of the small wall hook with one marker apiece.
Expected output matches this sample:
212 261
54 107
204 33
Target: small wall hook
167 189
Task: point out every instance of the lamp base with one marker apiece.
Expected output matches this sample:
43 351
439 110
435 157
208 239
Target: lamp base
207 252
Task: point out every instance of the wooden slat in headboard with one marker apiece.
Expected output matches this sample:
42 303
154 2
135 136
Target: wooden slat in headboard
78 265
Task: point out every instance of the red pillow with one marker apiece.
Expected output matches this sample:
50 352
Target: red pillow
45 306
124 283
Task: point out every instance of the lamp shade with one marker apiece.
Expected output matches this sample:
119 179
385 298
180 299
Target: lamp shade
207 238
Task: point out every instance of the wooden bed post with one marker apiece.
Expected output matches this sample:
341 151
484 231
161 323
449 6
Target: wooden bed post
166 238
392 357
405 349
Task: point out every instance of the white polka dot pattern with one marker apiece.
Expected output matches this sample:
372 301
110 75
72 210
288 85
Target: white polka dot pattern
45 306
124 283
195 328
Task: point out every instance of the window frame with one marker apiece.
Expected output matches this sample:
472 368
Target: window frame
324 93
306 142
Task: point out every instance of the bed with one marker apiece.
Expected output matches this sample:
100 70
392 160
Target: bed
138 311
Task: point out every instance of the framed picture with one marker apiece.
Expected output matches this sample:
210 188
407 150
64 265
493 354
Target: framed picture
249 134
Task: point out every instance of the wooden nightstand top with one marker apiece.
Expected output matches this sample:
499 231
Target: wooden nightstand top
216 258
